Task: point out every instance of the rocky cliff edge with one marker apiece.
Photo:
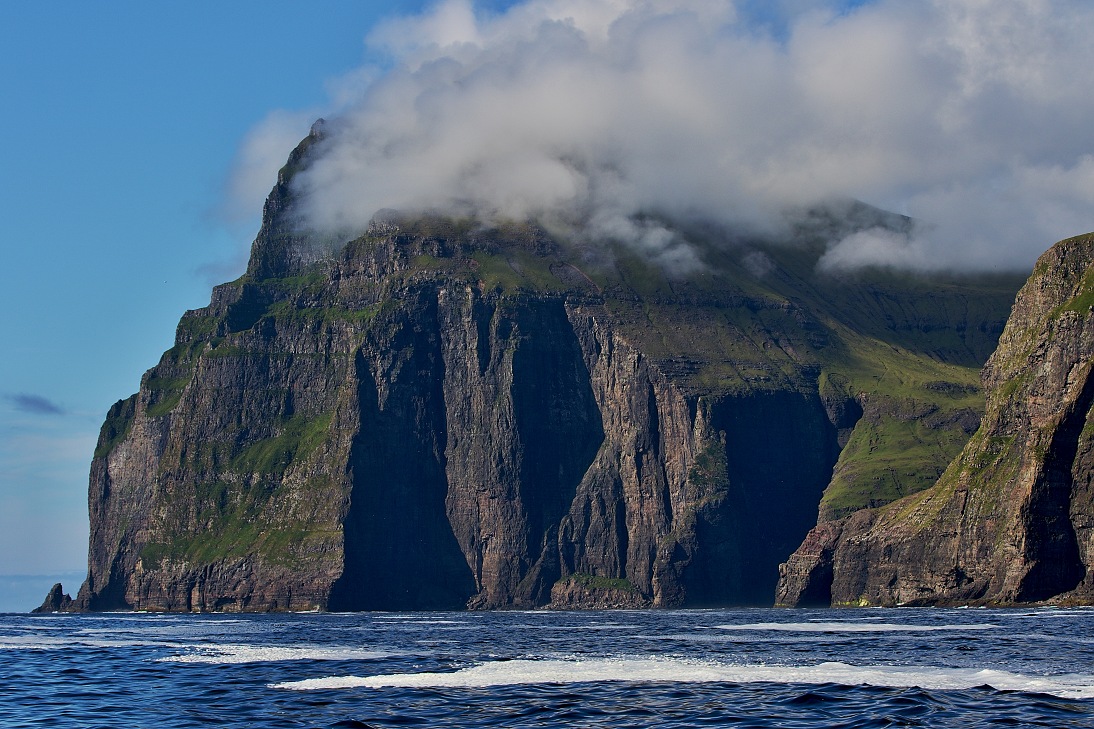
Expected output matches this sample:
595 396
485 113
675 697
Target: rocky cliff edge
1012 518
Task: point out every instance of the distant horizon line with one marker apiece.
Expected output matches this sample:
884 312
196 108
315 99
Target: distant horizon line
30 575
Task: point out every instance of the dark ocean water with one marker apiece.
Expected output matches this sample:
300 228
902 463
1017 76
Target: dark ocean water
741 668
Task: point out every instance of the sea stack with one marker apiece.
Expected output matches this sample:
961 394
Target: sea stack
56 601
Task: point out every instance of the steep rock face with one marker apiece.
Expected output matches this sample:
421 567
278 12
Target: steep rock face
462 451
437 415
1010 521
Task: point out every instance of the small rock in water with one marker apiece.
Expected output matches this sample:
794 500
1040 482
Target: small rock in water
56 601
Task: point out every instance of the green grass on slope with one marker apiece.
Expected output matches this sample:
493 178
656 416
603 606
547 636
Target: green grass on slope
232 521
299 438
918 413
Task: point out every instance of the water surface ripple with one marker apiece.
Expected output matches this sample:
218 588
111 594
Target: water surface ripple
693 668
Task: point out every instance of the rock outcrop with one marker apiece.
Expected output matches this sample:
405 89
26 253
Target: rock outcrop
1012 518
440 415
56 601
584 592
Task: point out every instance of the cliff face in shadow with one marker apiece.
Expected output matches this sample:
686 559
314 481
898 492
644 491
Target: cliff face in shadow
1010 521
440 415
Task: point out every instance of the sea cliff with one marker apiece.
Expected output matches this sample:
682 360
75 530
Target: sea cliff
440 414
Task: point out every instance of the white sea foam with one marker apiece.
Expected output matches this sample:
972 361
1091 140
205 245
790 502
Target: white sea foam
229 653
507 673
854 627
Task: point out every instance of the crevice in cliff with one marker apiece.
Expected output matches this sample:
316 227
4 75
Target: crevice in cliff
559 429
780 448
247 310
1051 546
655 423
400 551
483 318
111 595
843 410
622 538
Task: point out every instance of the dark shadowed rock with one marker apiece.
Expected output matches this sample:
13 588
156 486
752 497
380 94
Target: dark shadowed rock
56 601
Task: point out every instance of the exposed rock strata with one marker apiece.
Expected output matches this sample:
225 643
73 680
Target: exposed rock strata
434 415
1012 519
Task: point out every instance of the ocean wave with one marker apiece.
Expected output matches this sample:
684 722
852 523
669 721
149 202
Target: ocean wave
677 670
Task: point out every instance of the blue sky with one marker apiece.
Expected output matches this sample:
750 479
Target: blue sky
121 125
127 188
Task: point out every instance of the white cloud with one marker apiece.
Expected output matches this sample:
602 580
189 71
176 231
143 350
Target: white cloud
260 156
970 115
874 247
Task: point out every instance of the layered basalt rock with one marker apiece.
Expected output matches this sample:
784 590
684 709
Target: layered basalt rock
438 415
1012 518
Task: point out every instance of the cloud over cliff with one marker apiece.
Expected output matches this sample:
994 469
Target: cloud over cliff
971 116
